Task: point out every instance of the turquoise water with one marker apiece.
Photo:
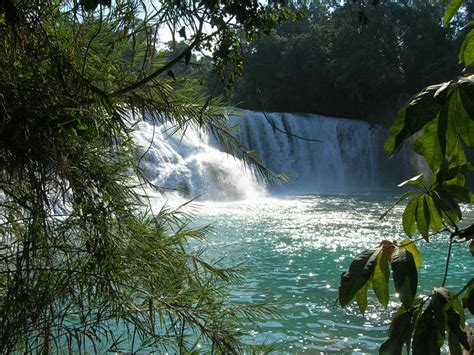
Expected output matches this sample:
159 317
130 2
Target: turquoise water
296 248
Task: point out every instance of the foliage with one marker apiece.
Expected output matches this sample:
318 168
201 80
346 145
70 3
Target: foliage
81 250
349 60
442 117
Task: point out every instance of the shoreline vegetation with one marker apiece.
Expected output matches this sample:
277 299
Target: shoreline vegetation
79 249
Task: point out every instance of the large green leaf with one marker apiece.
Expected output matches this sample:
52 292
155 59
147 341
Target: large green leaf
405 276
428 145
468 299
409 217
411 247
357 276
450 210
436 222
361 297
420 109
423 217
456 329
465 89
451 10
425 338
454 345
400 332
441 297
466 54
465 127
380 278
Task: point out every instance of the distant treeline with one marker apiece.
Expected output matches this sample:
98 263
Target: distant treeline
351 60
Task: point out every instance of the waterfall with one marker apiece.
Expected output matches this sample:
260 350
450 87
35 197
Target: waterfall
186 163
349 157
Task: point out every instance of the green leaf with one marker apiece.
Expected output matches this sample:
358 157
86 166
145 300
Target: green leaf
456 329
357 276
405 276
465 90
400 332
423 217
465 126
425 338
419 110
466 54
411 247
380 278
409 217
459 193
416 180
441 297
436 222
454 345
457 306
361 297
449 207
468 299
451 10
429 146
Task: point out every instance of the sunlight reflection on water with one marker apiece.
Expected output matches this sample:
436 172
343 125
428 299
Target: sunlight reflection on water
296 248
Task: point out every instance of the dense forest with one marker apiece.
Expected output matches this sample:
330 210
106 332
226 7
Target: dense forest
350 60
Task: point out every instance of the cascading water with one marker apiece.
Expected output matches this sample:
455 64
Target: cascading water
186 163
349 157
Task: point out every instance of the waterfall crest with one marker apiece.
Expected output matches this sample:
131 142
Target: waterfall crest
349 158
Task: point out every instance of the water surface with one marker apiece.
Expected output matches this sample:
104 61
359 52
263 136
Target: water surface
296 248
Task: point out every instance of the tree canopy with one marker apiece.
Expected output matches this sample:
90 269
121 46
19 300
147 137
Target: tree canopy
352 60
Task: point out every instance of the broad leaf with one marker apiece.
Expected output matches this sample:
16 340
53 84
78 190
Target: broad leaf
357 276
405 276
441 297
409 217
425 338
465 127
423 217
380 278
456 329
468 299
420 109
466 54
361 297
449 207
400 332
411 247
451 10
454 345
466 93
436 222
428 145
